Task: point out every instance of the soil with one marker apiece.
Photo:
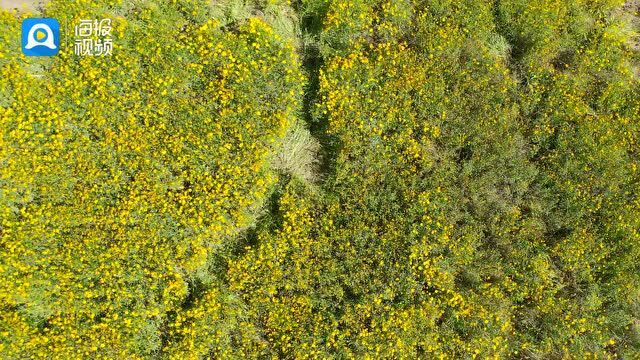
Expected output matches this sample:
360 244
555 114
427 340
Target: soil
20 4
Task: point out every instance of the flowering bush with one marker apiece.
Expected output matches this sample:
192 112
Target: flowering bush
476 193
121 176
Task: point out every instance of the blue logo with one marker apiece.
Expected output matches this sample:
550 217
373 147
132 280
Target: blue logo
40 37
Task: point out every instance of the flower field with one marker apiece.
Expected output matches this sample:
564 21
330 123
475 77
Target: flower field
324 179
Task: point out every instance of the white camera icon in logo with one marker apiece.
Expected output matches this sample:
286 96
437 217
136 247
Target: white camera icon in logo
48 40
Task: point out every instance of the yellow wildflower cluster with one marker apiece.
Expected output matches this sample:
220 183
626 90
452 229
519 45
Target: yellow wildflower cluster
121 176
452 228
478 195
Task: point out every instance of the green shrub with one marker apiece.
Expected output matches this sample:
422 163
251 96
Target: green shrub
459 179
122 176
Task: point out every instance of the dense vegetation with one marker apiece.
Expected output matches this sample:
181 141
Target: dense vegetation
324 179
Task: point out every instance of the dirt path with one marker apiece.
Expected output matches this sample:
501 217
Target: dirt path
20 4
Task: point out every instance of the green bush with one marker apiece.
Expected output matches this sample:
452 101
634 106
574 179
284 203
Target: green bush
450 179
122 176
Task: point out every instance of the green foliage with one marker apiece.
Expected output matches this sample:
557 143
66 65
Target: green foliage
121 176
465 184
